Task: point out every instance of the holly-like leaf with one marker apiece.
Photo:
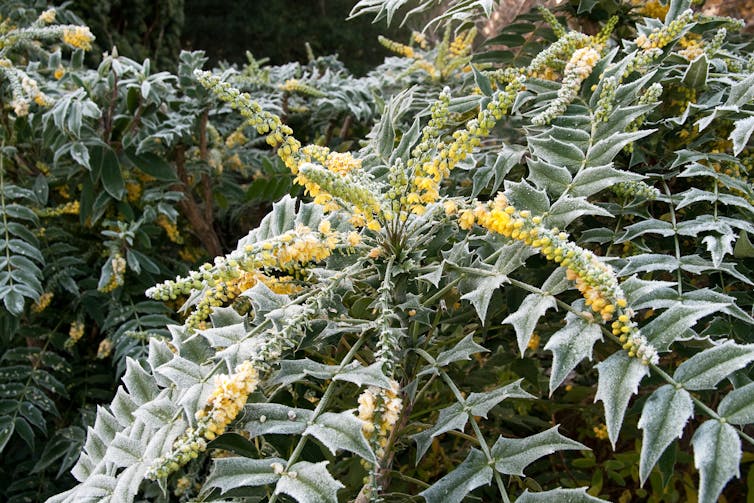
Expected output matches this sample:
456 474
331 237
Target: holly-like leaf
461 351
663 418
473 472
478 289
717 454
675 322
341 431
559 495
570 345
619 378
309 483
232 473
704 370
269 418
526 317
738 406
513 455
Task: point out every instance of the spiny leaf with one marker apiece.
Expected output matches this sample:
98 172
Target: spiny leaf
717 454
341 431
559 495
663 418
231 473
526 317
474 471
619 378
309 483
737 407
569 346
513 455
704 370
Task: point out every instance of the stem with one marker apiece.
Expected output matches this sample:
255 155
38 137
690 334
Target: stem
675 237
321 406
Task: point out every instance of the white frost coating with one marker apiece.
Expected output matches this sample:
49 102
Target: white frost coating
663 418
717 454
619 378
569 346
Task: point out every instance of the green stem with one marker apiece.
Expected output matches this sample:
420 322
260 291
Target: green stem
321 406
675 236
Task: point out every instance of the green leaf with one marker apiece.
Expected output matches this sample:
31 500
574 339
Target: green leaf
741 92
513 455
605 150
309 483
744 247
737 407
7 426
619 378
105 164
569 346
478 289
741 134
675 9
364 376
14 302
231 473
675 322
474 471
526 317
695 76
591 180
153 165
461 351
559 495
341 431
524 196
482 81
704 370
719 245
649 226
557 152
273 418
567 209
717 454
663 418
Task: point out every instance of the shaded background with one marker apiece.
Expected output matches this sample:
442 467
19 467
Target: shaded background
277 29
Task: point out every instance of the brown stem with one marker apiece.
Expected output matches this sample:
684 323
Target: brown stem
201 228
206 185
346 127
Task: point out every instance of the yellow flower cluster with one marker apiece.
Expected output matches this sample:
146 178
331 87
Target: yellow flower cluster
578 68
428 175
396 47
227 400
75 333
595 280
600 432
279 135
170 229
379 411
118 265
236 139
222 407
133 190
59 72
652 8
663 36
419 39
461 44
239 271
47 17
71 208
692 45
44 301
78 37
104 349
296 86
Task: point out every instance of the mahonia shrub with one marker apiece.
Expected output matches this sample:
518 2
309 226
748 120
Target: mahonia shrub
434 318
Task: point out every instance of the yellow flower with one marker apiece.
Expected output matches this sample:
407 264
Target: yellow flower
47 17
78 37
59 73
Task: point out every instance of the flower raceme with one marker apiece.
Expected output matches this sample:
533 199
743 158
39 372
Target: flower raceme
222 407
595 280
